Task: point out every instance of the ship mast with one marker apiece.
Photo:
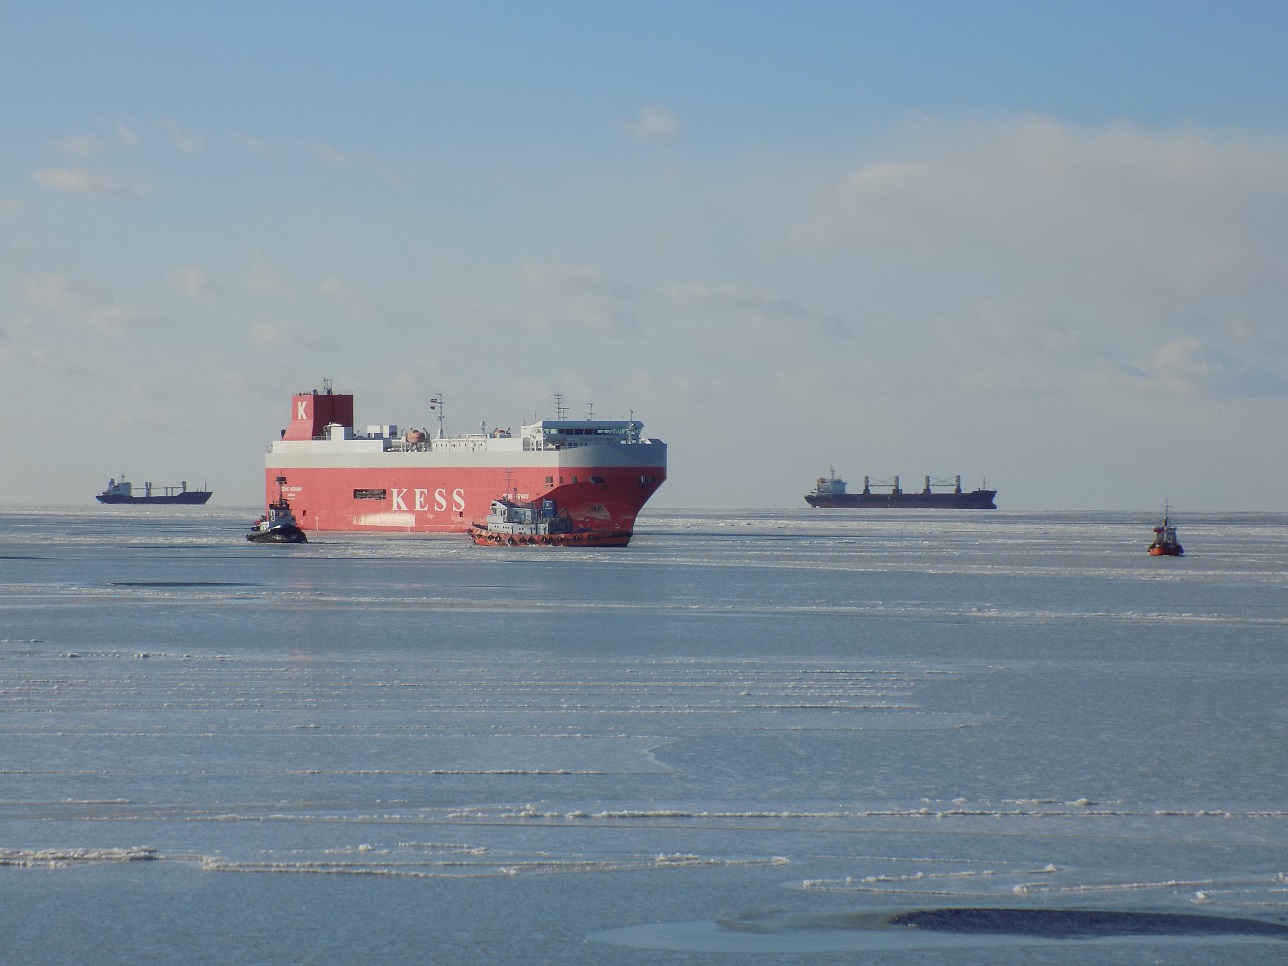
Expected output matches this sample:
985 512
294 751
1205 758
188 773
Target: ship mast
561 410
436 403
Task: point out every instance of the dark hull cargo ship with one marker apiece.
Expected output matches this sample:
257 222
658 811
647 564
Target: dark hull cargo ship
830 493
122 491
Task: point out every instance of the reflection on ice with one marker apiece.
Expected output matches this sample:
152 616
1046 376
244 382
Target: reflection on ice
947 928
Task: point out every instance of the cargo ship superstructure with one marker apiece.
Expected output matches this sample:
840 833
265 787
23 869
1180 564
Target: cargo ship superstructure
600 472
830 492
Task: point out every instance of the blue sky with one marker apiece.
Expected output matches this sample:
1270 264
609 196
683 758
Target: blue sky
1045 245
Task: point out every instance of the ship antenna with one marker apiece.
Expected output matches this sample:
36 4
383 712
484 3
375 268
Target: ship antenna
560 409
436 403
590 411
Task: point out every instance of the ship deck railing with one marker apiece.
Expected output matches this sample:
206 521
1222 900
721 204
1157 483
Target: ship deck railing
478 442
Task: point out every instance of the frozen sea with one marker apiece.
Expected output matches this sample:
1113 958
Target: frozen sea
776 736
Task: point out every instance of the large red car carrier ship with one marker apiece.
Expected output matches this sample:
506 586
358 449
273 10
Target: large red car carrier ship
600 472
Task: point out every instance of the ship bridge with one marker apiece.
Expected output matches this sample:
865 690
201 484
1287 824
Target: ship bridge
566 433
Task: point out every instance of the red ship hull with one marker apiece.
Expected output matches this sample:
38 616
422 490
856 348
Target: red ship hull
449 499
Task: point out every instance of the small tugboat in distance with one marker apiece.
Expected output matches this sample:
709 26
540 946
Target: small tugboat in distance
1165 543
539 523
122 491
278 524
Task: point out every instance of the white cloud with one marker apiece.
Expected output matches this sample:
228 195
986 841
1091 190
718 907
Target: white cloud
1065 200
264 280
192 282
1032 255
408 387
341 293
554 297
328 153
185 139
268 149
58 296
572 281
653 122
297 337
80 181
38 359
761 307
1188 366
266 334
82 145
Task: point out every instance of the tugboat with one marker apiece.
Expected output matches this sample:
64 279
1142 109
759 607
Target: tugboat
278 524
1165 543
513 524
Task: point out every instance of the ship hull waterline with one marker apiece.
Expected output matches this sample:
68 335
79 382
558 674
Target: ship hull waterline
448 499
189 498
976 500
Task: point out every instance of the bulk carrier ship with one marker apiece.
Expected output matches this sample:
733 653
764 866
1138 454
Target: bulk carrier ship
122 491
599 472
830 492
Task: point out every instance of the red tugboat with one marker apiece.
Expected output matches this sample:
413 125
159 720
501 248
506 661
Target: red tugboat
540 524
1165 543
